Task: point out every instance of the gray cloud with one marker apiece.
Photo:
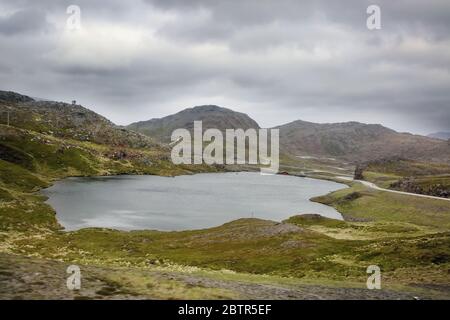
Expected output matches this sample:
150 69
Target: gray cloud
23 21
276 60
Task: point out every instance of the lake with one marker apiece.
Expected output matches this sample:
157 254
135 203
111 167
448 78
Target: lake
184 202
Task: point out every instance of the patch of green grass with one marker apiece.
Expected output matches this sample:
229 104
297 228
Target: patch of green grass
426 175
5 195
55 157
16 177
400 253
17 156
27 216
382 180
408 168
373 205
314 220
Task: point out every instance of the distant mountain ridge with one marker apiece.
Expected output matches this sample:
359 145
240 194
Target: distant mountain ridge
351 142
211 116
440 135
348 141
356 142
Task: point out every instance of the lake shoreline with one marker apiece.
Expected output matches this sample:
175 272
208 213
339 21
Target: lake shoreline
106 176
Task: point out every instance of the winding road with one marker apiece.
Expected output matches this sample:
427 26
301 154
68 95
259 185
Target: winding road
374 186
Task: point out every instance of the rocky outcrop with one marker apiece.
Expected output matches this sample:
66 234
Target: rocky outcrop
409 185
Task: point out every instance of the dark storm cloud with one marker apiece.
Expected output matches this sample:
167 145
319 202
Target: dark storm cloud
276 60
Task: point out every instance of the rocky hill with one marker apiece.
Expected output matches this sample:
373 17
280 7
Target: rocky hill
211 116
356 142
65 120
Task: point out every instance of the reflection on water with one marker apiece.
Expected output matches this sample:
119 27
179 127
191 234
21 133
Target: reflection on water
184 202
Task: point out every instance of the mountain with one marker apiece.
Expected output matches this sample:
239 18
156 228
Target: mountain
440 135
65 120
349 141
211 116
355 142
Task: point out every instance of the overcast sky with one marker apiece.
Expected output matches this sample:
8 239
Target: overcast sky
277 61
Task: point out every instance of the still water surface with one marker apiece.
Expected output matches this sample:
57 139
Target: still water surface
184 202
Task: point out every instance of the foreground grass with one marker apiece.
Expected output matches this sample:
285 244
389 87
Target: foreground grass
293 250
